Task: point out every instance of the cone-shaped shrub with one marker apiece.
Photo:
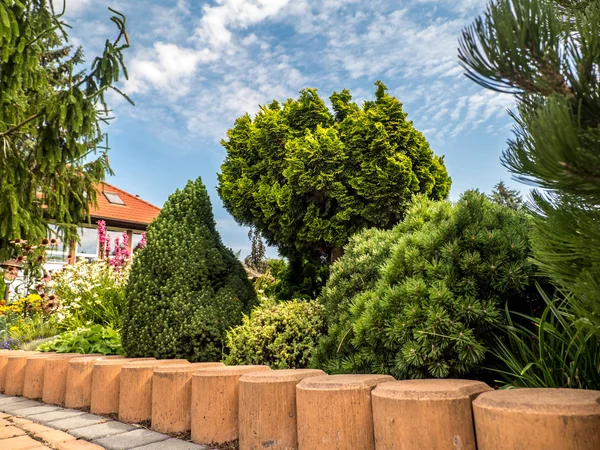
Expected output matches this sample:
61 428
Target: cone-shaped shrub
422 299
186 289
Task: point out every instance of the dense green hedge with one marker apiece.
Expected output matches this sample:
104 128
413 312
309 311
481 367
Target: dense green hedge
281 335
422 299
185 289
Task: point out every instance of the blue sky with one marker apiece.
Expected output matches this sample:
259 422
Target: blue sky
195 66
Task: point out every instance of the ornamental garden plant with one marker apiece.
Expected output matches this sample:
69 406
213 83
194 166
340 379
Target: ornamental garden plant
186 289
307 178
424 299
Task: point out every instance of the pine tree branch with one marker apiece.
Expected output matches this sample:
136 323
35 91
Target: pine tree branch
16 127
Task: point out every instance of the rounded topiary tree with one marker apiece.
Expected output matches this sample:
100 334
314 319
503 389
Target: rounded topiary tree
186 289
422 299
308 178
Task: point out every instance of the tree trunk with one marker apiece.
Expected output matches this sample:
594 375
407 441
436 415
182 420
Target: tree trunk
336 253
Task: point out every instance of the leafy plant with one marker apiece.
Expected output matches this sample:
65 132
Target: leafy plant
32 328
282 335
90 293
561 352
308 178
422 299
186 289
96 339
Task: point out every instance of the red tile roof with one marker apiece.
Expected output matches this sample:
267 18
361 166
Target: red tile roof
135 211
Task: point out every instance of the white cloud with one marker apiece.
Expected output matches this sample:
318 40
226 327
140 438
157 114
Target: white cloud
208 65
236 14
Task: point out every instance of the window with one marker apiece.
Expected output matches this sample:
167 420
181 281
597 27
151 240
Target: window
58 252
135 241
113 235
114 198
87 247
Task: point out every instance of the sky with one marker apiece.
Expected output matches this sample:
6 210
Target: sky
195 66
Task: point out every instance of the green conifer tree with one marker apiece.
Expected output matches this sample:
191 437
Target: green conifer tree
186 289
547 54
506 196
422 300
307 178
51 112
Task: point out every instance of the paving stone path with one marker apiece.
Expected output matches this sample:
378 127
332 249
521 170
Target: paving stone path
30 425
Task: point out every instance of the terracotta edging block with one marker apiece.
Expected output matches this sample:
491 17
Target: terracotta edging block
334 411
4 355
135 400
15 372
172 396
403 409
55 377
79 381
215 403
538 419
267 408
33 386
106 385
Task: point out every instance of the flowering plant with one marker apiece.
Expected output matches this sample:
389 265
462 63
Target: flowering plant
90 293
25 273
121 255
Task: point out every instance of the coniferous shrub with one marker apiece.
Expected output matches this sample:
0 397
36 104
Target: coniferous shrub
282 335
422 300
186 288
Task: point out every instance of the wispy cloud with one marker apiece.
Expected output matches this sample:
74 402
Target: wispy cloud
210 64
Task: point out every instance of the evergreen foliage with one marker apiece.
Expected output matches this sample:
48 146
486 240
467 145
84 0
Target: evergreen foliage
307 178
506 196
257 259
282 335
422 299
185 288
547 53
51 112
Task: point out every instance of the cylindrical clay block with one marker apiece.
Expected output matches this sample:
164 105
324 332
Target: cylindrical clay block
15 373
135 400
35 367
79 381
538 419
106 385
267 409
4 364
334 411
403 409
55 378
215 403
172 397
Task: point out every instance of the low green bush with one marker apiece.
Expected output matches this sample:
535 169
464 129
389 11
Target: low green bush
423 299
281 335
96 339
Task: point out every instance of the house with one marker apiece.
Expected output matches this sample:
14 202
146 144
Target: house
122 212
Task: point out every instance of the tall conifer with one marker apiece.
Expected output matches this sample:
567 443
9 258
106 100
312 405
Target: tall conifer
51 112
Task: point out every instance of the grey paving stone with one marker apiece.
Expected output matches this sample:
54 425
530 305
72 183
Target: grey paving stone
72 423
12 407
101 430
34 410
60 414
6 399
131 439
173 444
